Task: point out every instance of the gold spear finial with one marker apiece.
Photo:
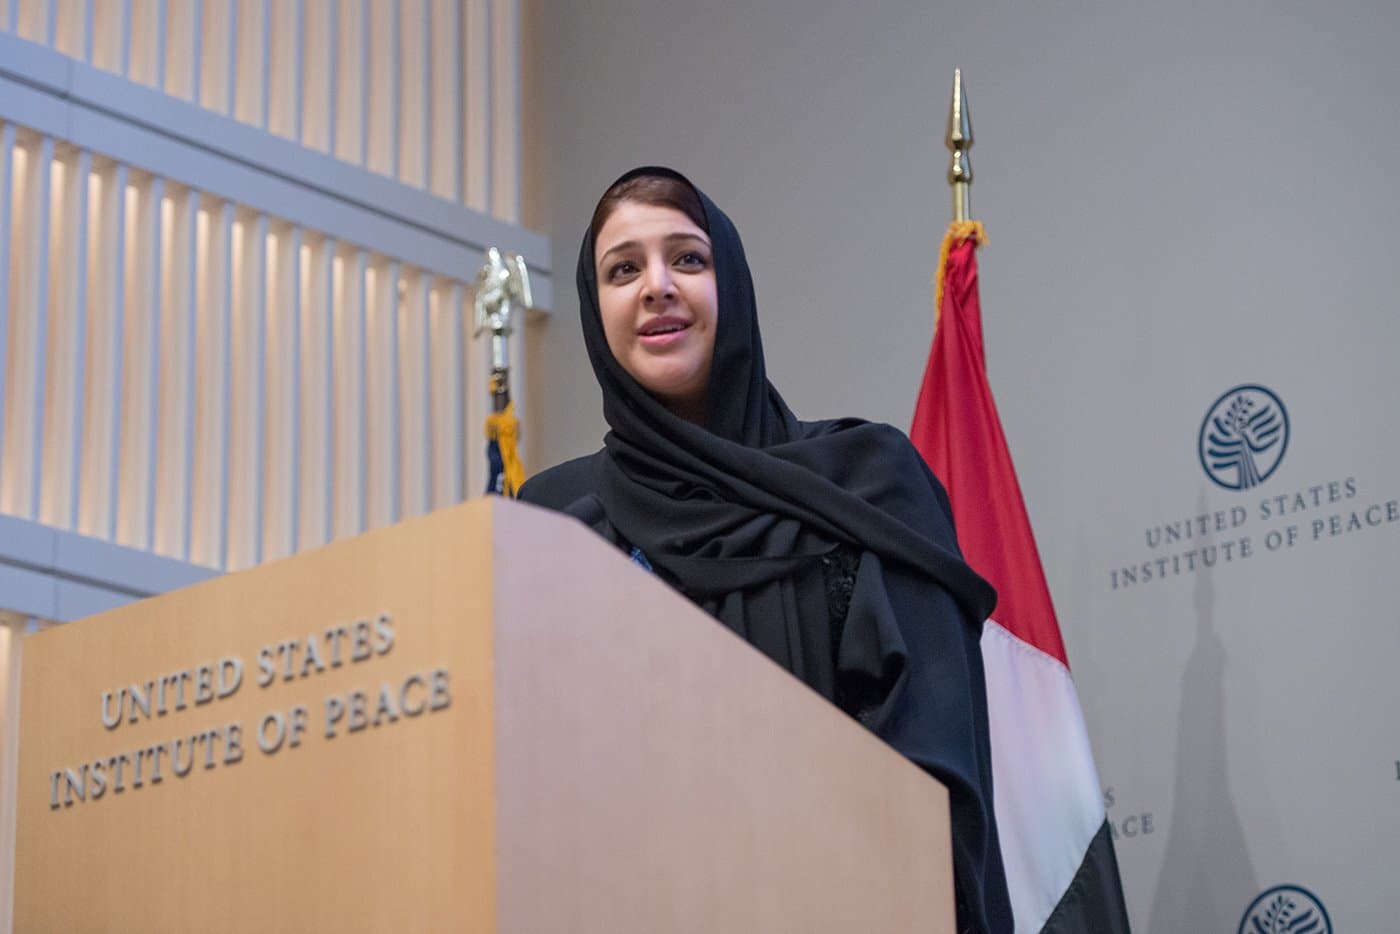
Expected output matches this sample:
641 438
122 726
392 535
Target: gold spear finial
959 141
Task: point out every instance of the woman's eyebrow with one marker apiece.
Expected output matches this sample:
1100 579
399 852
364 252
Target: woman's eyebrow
669 238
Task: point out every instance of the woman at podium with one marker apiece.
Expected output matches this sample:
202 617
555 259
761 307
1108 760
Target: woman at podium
828 545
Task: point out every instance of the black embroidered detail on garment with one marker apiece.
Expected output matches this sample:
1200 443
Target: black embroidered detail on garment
839 573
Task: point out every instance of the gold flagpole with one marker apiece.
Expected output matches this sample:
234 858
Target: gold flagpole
963 227
959 142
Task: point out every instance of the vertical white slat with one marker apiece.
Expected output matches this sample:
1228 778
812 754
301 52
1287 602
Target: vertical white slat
162 18
7 181
67 337
333 92
249 62
395 73
209 520
424 366
318 453
27 285
505 110
280 82
140 343
476 373
27 20
176 356
427 23
68 26
316 46
299 71
124 40
196 52
80 186
283 398
444 75
415 424
411 117
189 425
212 54
382 155
178 66
89 21
107 297
148 41
347 81
366 71
353 398
476 156
263 74
42 213
449 478
105 36
249 392
153 257
57 394
233 48
382 354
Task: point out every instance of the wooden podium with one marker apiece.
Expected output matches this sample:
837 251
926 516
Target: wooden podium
484 719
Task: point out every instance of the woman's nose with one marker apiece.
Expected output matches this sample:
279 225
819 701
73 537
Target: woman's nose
659 283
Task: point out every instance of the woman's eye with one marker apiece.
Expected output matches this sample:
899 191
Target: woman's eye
621 270
692 260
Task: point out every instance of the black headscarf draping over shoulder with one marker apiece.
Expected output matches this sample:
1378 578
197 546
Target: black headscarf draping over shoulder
739 513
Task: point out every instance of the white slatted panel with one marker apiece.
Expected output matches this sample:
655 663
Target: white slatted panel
424 91
188 375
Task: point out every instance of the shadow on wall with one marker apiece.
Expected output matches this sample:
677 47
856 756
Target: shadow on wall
1207 877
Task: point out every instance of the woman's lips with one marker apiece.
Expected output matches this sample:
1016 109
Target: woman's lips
673 332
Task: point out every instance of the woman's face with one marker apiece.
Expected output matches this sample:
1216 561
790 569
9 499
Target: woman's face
657 295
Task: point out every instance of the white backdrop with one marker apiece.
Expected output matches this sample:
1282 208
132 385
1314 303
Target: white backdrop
1180 200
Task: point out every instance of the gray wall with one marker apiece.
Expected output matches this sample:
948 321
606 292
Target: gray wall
1179 199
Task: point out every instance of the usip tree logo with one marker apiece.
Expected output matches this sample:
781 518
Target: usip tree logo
1243 437
1286 909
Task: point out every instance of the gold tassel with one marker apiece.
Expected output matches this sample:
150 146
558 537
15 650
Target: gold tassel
958 231
504 429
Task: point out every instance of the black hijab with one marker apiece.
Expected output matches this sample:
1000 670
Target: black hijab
739 513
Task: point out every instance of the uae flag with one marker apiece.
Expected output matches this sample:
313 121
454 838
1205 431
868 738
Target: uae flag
1055 839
